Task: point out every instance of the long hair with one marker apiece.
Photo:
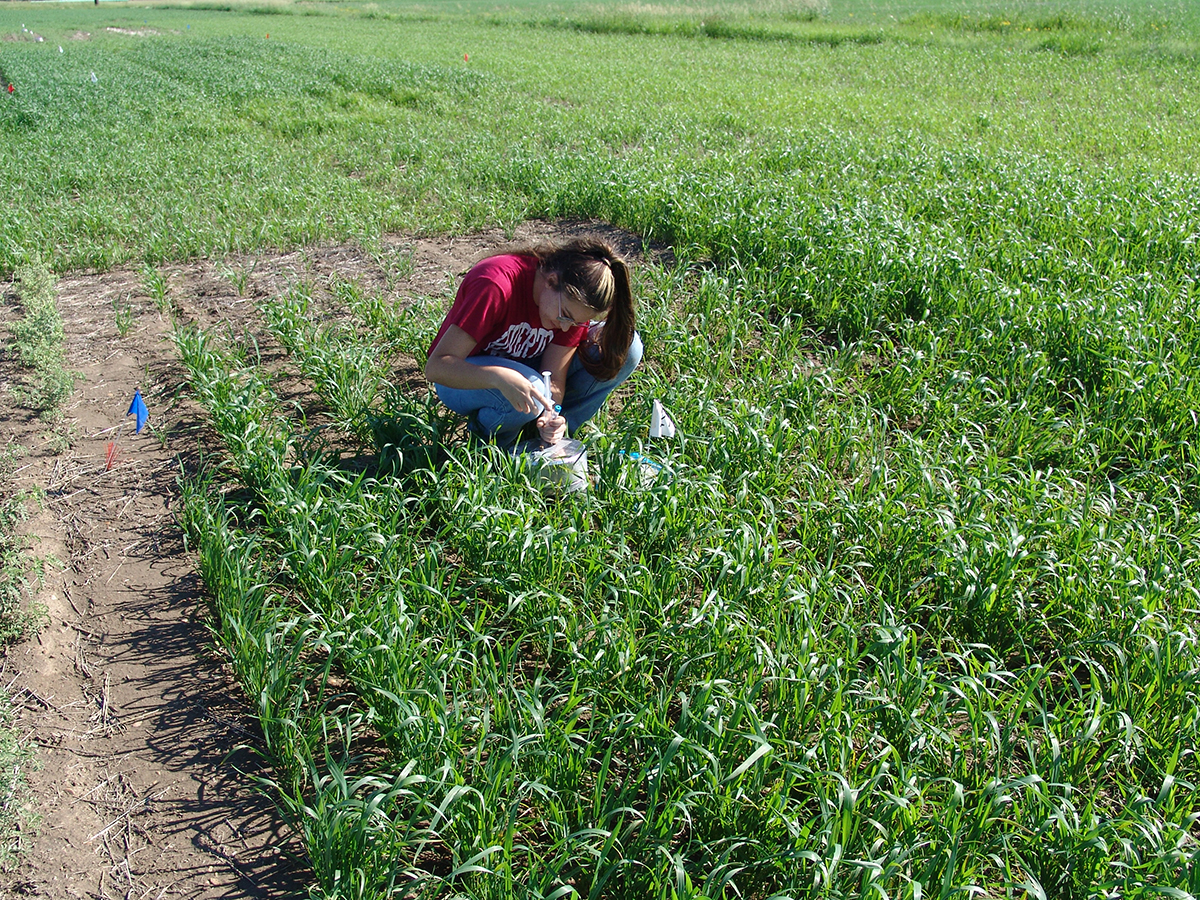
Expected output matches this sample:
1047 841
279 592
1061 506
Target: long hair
591 272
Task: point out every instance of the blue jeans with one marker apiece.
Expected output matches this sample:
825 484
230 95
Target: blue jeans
491 416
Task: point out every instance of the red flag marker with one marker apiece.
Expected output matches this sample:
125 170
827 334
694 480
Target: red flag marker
466 58
11 88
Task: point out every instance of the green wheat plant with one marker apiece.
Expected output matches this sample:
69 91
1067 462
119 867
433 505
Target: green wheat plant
239 277
21 617
16 761
123 316
346 371
156 286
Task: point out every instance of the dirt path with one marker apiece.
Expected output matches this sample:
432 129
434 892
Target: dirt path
136 719
132 714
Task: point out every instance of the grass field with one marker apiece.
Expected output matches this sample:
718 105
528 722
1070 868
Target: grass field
912 611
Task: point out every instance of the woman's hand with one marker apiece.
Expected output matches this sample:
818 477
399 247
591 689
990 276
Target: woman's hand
552 427
517 390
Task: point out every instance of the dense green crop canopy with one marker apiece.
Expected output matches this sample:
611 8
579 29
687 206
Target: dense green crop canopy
911 609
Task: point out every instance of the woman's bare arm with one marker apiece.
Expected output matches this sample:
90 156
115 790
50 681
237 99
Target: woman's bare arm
447 365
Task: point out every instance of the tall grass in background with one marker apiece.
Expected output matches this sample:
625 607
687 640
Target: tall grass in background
911 611
205 136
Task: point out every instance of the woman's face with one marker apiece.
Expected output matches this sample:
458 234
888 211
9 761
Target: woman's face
558 312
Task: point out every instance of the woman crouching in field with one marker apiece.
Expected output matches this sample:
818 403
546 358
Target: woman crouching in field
563 308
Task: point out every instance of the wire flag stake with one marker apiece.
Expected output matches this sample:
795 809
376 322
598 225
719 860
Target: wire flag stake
137 409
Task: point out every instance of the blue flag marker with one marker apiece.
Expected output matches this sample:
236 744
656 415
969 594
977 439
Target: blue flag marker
138 408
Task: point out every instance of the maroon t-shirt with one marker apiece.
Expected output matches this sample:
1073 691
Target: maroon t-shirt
495 306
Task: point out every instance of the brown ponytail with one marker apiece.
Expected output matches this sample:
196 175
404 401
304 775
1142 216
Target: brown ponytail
590 272
617 333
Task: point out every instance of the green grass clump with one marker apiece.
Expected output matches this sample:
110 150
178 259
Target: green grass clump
37 341
16 758
18 620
